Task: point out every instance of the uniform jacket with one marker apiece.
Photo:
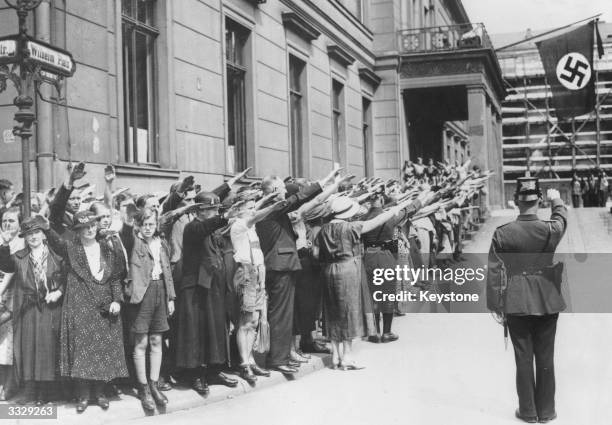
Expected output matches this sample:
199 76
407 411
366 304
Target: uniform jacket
276 234
141 266
526 246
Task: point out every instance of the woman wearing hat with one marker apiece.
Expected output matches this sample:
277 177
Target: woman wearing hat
38 288
91 339
340 252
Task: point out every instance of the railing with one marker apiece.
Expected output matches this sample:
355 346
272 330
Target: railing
444 38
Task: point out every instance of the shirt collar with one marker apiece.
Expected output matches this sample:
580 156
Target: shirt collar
527 217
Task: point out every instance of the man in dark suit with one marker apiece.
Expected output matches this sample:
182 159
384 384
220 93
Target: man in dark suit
277 240
524 287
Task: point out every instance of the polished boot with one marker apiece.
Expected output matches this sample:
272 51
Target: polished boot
160 399
146 399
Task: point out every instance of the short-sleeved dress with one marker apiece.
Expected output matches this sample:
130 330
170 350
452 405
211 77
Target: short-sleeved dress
340 255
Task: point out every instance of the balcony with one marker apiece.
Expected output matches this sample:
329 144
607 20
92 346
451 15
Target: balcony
444 38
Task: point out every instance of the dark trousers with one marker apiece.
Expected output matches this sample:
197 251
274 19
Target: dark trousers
534 336
280 287
576 201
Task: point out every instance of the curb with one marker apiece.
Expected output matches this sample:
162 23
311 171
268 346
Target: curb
128 407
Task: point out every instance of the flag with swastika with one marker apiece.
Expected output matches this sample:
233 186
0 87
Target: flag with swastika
568 65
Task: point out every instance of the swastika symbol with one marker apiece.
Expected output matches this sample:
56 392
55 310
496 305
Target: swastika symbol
574 71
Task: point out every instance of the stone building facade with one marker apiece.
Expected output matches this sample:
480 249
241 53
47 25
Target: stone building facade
207 87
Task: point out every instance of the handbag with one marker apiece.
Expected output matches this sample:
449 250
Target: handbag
262 339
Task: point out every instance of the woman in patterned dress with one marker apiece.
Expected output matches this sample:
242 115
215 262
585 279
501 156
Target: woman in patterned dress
91 339
340 252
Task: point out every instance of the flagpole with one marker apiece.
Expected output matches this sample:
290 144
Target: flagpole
545 33
597 117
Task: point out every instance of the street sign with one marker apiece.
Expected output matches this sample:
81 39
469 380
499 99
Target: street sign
8 136
50 58
8 51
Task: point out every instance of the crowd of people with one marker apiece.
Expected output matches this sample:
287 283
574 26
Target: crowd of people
590 190
107 294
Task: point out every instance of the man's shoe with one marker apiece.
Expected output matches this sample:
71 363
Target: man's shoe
528 419
200 386
146 399
374 339
247 374
160 399
102 401
221 379
164 384
259 371
284 369
82 404
389 337
548 419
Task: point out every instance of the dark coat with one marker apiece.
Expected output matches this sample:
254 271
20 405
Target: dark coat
141 267
276 233
526 246
59 219
35 323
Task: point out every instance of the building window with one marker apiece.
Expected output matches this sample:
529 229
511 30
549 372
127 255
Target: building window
139 97
338 115
366 127
297 83
236 37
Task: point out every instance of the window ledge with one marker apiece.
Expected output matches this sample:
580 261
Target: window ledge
300 26
146 170
340 55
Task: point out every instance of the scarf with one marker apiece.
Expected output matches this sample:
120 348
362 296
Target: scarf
39 267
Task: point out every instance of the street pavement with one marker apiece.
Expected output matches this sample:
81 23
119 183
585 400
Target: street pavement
445 368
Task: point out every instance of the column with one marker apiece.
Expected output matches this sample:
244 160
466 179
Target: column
477 130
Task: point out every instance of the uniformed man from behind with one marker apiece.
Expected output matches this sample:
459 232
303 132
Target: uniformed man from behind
523 287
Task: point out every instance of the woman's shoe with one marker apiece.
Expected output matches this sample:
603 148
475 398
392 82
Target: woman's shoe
102 401
158 396
164 384
82 404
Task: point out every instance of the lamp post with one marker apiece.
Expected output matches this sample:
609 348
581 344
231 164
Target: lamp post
38 62
25 116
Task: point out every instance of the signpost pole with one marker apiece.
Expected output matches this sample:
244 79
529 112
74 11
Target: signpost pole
24 115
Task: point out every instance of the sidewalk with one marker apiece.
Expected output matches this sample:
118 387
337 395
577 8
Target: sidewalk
127 407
